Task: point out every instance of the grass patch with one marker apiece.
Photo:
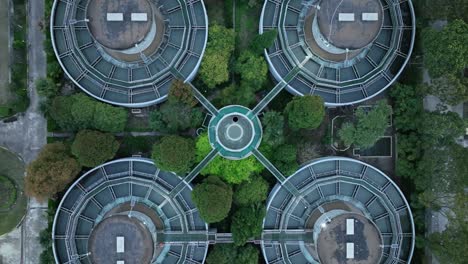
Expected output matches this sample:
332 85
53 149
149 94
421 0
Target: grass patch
8 191
13 168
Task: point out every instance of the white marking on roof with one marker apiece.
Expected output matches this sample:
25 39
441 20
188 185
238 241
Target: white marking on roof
349 226
120 262
350 250
120 244
140 17
346 17
370 16
114 16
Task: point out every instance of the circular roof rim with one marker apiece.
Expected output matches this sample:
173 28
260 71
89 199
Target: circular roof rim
277 187
129 159
397 75
158 100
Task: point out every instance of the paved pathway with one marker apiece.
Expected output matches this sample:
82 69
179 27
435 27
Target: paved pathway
26 137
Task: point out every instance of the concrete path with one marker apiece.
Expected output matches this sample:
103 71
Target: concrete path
26 137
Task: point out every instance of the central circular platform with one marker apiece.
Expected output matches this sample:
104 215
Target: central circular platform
121 34
354 34
235 132
138 243
333 239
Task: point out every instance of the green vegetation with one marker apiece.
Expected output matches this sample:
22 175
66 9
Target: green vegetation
253 69
51 172
13 203
47 88
93 148
232 171
77 112
247 223
54 70
45 237
369 126
263 41
19 64
213 199
305 112
450 89
8 191
251 192
273 131
230 254
174 153
446 51
215 63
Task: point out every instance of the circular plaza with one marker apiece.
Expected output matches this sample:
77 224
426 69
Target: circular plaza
345 211
128 52
124 211
235 132
346 51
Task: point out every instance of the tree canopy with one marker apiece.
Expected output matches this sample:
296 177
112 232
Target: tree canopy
78 111
247 223
231 254
250 192
181 92
369 126
175 154
213 199
215 63
233 171
273 131
51 172
93 148
175 117
263 41
446 50
284 157
450 89
253 69
305 112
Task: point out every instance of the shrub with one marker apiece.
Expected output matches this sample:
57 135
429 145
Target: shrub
174 153
305 112
213 199
93 148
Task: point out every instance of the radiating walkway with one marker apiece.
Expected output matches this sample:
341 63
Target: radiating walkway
194 173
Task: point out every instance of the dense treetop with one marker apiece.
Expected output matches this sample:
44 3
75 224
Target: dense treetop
213 199
305 112
51 172
175 154
233 171
93 148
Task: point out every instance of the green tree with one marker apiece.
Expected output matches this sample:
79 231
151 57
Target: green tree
181 92
237 95
441 128
77 112
408 107
93 148
450 89
233 171
263 41
175 117
213 199
305 112
109 118
247 223
446 51
61 112
174 153
250 192
51 172
46 88
253 69
273 131
284 157
214 66
369 127
231 254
